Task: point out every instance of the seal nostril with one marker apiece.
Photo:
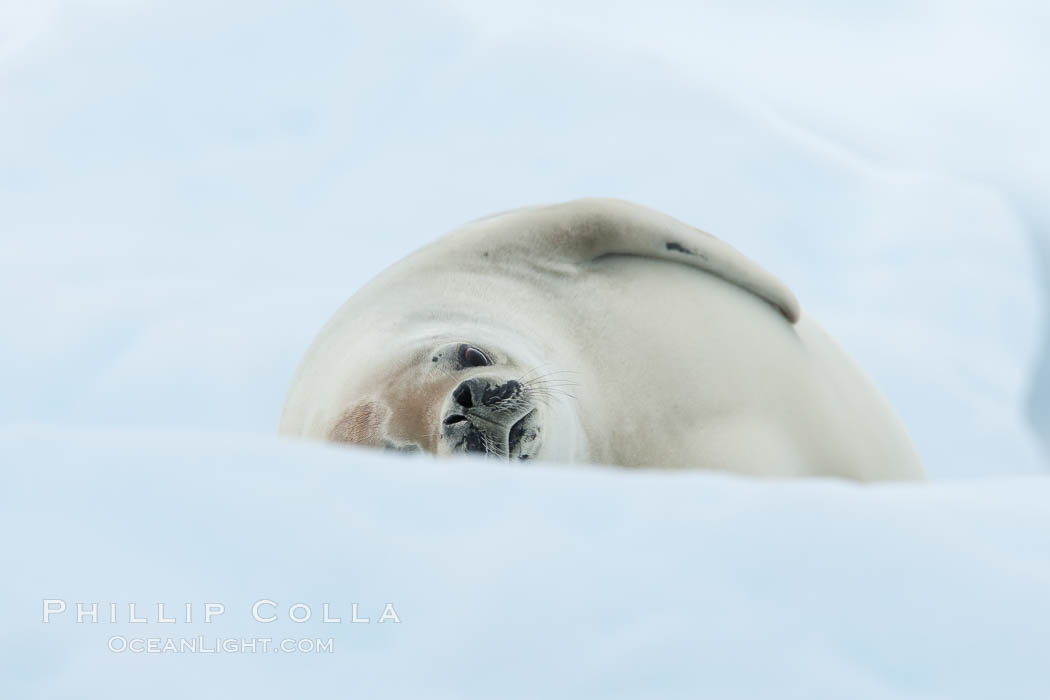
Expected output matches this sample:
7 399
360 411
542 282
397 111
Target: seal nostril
462 396
454 418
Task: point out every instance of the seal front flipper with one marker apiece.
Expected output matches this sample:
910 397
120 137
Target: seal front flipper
587 230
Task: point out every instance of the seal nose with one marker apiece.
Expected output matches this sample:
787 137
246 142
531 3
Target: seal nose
478 392
463 395
490 418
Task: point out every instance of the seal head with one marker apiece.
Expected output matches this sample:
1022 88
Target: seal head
455 398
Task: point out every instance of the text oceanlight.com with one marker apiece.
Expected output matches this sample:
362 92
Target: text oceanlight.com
119 644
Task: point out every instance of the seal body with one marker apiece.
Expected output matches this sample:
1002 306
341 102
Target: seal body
594 331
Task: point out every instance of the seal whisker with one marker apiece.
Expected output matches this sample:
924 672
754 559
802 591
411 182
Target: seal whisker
535 368
550 392
555 385
546 379
491 448
550 375
544 400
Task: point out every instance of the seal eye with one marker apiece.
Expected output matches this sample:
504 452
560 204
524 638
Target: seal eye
470 356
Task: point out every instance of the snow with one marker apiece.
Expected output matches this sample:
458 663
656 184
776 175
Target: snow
512 582
187 193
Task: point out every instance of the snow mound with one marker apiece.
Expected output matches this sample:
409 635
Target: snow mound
509 582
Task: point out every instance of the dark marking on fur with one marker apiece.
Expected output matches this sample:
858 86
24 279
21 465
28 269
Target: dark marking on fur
406 448
475 442
679 248
517 432
493 394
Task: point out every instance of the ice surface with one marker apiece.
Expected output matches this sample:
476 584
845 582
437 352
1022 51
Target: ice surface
512 582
